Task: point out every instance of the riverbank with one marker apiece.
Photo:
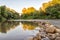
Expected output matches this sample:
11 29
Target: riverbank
47 32
52 21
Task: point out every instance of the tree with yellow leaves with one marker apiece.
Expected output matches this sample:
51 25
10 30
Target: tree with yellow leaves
50 3
28 10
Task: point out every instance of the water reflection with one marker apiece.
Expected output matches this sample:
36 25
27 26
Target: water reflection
7 25
20 30
13 30
29 25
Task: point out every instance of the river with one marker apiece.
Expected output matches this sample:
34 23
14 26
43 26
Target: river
21 30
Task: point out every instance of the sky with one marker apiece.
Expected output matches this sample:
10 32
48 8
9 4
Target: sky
18 5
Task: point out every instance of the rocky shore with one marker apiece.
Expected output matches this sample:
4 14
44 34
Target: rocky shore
47 32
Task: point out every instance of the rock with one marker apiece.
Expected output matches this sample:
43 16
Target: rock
51 26
43 34
35 38
57 38
30 38
38 36
50 30
57 30
41 30
45 38
43 23
51 36
57 34
47 25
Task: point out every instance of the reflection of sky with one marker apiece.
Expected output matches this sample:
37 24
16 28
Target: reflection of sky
19 4
18 34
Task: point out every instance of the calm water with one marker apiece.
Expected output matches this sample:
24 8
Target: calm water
14 30
17 30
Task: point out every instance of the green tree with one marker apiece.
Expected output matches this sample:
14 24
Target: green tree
8 14
54 11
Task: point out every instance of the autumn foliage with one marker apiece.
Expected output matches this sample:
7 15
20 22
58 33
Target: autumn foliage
50 10
28 10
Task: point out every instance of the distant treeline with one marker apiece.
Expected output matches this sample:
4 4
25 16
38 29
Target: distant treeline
51 12
8 14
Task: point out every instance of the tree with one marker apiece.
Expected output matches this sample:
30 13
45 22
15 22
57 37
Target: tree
54 11
8 14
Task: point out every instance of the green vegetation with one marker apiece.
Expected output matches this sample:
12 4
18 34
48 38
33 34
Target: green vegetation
8 14
51 12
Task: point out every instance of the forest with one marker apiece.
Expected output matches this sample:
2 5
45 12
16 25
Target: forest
8 14
50 10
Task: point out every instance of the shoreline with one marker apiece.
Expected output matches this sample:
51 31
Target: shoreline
47 32
53 22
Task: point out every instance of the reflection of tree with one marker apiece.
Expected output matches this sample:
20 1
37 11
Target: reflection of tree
29 25
6 26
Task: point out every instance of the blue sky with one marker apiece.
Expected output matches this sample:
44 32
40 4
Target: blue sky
18 5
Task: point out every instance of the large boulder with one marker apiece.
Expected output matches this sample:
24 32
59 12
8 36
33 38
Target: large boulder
50 29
